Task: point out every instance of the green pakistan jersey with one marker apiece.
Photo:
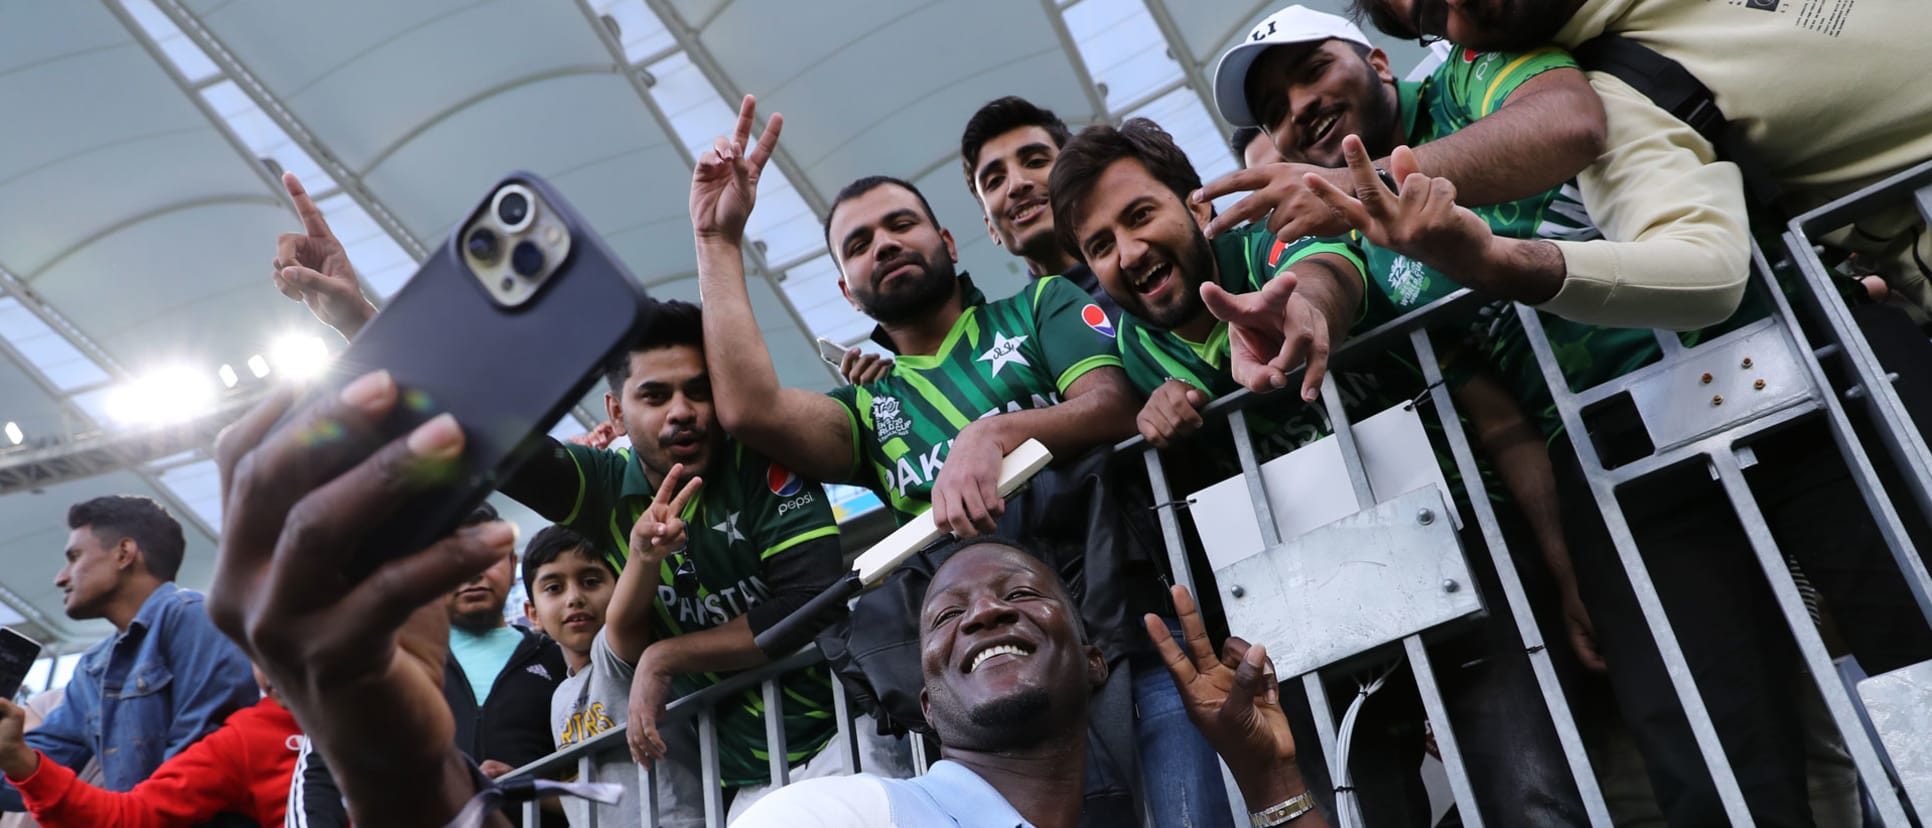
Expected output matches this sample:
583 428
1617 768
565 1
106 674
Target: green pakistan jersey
1018 353
1466 87
749 511
1246 258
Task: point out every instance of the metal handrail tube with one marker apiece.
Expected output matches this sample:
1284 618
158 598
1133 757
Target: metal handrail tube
682 706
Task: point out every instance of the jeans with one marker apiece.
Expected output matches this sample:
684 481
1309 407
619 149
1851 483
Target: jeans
1180 773
1516 766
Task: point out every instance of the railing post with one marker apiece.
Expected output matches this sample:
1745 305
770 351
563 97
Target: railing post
1811 646
1675 664
775 734
1264 515
586 772
1502 559
848 746
714 810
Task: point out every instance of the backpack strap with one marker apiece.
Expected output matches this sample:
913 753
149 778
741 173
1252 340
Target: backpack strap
1675 90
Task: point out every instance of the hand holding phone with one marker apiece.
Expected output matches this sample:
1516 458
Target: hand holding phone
17 656
503 328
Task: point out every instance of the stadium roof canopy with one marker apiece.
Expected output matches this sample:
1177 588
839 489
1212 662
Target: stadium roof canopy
139 194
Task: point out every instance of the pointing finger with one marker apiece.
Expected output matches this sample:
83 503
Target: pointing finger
312 220
1248 209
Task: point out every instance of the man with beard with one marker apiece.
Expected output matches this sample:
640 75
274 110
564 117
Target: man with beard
1009 675
1802 100
1120 197
1675 249
762 539
1733 636
974 379
1007 150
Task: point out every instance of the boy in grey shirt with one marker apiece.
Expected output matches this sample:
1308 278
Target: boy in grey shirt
580 601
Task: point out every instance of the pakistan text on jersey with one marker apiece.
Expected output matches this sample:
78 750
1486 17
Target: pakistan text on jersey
717 607
904 474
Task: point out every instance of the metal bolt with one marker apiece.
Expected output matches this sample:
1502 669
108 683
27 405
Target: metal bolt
1747 362
1237 591
1707 379
1717 399
1759 385
1425 517
1450 585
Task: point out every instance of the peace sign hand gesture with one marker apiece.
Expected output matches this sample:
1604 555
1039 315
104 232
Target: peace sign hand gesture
660 530
724 184
313 268
1234 700
1422 221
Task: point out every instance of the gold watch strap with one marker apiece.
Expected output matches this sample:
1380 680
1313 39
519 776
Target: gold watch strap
1283 813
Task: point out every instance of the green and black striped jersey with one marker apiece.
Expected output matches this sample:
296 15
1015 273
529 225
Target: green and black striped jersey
1468 86
748 511
1018 353
1246 258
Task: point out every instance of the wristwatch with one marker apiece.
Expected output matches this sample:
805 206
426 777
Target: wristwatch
1283 813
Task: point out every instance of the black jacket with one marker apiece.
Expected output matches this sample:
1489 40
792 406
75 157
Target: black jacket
512 728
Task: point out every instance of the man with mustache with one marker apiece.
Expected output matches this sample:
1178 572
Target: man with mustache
1732 636
1675 246
1009 680
1802 99
761 542
1120 196
974 379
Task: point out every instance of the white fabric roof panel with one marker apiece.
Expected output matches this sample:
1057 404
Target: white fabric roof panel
141 215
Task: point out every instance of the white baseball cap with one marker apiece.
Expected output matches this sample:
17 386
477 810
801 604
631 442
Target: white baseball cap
1295 24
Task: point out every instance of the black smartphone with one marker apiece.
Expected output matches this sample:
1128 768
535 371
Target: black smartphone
17 655
505 327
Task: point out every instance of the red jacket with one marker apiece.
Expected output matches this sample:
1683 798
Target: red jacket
242 767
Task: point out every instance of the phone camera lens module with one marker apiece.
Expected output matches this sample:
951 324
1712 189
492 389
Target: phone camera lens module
513 208
483 245
526 259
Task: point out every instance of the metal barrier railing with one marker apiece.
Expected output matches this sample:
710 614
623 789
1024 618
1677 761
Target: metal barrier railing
1412 329
583 759
1776 347
1692 425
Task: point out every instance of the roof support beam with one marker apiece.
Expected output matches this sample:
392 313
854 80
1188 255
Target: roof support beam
1194 72
707 63
350 182
642 82
1058 18
10 285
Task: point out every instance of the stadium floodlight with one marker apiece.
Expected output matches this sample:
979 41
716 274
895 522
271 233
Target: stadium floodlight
167 395
299 356
228 376
258 366
13 433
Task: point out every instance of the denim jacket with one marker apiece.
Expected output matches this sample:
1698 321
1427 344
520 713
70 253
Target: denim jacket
143 695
